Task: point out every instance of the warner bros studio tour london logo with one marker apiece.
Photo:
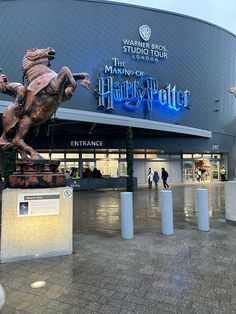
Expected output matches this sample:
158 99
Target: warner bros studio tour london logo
145 32
143 49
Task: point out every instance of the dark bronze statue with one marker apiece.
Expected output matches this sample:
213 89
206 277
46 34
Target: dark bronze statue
38 101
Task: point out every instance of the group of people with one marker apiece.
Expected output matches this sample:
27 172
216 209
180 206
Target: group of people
96 173
87 173
154 177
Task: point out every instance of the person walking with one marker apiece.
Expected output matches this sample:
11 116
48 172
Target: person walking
150 177
156 179
164 176
203 172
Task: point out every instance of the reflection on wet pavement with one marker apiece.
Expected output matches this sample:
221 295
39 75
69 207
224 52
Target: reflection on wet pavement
98 210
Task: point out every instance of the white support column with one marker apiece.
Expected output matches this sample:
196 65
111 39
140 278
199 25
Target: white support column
202 207
126 213
230 201
167 212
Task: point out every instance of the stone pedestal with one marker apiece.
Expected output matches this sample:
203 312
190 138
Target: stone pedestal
230 201
36 223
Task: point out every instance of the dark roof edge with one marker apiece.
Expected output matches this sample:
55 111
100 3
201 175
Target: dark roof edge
162 11
142 7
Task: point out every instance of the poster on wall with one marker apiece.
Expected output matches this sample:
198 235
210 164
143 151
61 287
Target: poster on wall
38 204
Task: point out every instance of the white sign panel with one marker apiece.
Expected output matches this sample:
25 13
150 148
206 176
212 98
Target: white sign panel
38 204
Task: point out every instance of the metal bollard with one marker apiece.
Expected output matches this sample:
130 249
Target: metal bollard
167 212
126 213
202 206
2 296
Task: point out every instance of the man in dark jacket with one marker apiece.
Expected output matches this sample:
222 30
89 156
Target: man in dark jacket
164 176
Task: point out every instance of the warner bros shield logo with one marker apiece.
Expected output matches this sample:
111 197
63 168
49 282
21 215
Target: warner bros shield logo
145 32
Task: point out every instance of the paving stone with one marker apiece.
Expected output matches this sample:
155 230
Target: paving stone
9 310
108 309
119 295
188 273
72 299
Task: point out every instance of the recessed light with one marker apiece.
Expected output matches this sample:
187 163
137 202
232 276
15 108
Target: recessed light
38 284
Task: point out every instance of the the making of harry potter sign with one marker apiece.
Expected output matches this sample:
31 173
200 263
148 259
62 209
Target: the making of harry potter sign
129 88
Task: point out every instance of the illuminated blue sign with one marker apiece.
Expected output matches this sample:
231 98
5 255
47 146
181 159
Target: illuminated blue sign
134 93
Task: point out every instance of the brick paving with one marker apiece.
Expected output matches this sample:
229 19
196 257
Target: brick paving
188 272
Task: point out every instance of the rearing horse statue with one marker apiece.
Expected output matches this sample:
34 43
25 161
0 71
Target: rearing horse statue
45 91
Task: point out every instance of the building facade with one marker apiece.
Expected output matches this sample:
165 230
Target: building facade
164 74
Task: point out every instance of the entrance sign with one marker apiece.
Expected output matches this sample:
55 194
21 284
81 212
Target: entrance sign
85 143
38 204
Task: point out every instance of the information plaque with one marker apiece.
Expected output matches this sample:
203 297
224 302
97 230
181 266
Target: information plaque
38 204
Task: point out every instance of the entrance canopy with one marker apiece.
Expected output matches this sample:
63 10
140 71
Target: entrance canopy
80 121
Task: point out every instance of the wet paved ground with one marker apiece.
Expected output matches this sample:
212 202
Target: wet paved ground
189 272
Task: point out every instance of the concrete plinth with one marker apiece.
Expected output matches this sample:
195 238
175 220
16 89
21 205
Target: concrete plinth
36 223
230 201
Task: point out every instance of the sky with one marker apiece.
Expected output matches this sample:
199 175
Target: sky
219 12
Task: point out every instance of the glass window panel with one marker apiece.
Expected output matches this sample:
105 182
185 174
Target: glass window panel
187 155
207 155
102 150
151 151
72 156
57 156
112 150
62 166
137 156
175 156
122 169
113 156
197 155
139 151
188 171
108 168
71 164
101 156
163 156
88 164
19 156
216 156
151 156
45 155
122 156
89 156
215 169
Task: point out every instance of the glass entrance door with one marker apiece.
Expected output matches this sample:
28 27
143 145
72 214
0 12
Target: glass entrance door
203 170
188 171
215 170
